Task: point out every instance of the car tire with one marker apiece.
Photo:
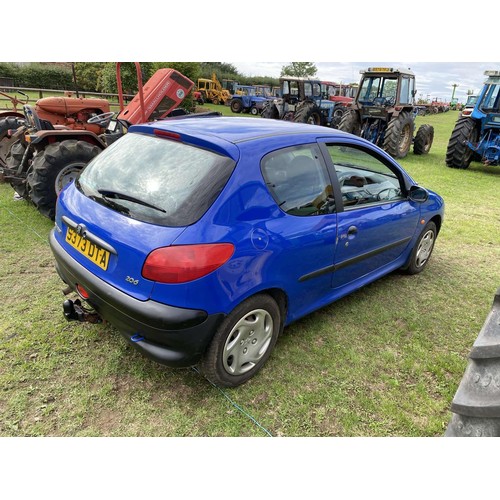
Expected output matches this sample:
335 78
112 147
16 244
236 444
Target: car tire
243 342
422 250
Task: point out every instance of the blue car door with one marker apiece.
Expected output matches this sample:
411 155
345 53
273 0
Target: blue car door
376 220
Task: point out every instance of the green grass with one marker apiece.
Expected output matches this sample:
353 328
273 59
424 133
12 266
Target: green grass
385 361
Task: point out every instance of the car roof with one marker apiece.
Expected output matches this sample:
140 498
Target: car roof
235 129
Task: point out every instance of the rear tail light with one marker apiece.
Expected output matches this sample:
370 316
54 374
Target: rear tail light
183 263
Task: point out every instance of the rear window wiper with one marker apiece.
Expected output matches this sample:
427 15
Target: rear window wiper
121 196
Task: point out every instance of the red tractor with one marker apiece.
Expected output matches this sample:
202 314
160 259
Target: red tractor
50 153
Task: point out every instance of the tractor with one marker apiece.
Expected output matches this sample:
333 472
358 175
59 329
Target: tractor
245 99
10 120
476 136
212 91
302 100
48 156
384 111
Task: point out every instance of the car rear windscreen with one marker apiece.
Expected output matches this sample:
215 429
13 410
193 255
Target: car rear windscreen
156 180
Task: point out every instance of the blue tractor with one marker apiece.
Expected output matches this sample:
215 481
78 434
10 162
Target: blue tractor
476 136
245 99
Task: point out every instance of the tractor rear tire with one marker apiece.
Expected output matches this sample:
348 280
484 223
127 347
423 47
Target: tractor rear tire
458 154
55 167
236 105
423 140
13 160
6 124
399 135
350 122
308 113
338 113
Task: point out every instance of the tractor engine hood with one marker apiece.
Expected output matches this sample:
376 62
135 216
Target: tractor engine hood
66 106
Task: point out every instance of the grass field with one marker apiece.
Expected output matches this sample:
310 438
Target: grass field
385 361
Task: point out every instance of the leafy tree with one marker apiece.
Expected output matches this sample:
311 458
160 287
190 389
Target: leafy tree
128 74
88 75
225 71
299 69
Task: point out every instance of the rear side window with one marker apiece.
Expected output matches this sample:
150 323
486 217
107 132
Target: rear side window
298 181
156 180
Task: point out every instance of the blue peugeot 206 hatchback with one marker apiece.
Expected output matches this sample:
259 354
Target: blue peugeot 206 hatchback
201 238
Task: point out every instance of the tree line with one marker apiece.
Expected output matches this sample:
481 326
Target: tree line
101 76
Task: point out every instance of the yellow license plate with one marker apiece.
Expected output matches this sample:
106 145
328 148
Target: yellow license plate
93 252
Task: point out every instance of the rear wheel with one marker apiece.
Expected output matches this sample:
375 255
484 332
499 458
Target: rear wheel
423 140
13 161
6 124
459 154
309 113
236 105
55 167
270 111
243 342
399 135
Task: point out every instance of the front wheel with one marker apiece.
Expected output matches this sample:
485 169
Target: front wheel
422 250
243 342
398 135
350 122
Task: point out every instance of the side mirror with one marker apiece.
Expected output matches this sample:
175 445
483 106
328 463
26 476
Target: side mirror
418 194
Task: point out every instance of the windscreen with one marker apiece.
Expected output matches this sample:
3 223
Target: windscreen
156 180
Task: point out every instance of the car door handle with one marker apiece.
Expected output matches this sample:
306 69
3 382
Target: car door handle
352 231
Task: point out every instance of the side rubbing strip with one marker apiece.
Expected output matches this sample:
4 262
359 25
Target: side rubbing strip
354 260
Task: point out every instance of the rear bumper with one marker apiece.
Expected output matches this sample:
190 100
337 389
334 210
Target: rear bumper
171 336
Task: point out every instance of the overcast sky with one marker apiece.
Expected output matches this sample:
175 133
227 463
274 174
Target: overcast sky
433 79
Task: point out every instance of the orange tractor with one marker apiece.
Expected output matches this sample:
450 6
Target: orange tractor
61 135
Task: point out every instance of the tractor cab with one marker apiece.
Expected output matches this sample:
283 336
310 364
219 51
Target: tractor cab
385 90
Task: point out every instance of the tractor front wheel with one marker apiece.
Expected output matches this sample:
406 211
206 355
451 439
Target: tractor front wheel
55 167
399 135
459 154
350 122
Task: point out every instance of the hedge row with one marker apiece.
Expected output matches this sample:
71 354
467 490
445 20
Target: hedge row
36 75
